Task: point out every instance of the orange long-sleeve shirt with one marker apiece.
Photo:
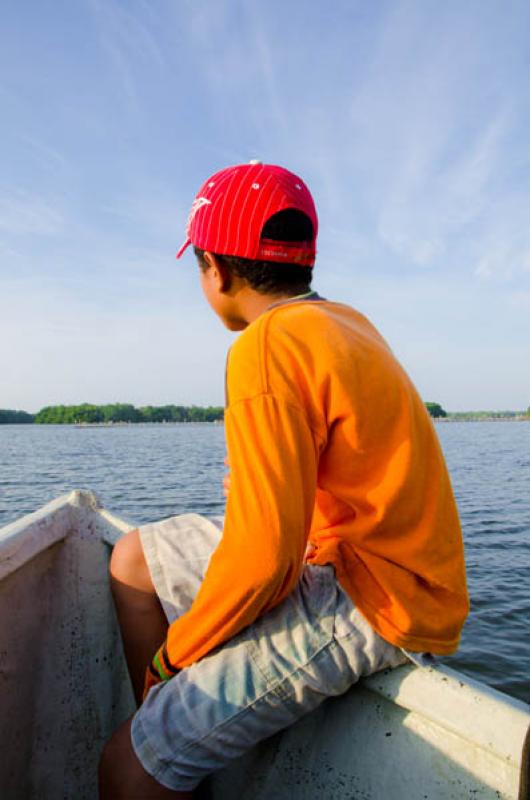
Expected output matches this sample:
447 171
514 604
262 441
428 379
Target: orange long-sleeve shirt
329 443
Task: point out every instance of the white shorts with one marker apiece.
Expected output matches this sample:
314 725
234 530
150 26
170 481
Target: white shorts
313 645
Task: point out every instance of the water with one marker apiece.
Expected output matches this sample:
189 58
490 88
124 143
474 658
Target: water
147 472
489 464
141 472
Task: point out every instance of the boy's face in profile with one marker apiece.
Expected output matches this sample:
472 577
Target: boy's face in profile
221 293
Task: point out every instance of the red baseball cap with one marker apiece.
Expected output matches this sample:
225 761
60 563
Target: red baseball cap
232 206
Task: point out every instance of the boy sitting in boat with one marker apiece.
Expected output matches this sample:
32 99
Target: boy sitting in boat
341 551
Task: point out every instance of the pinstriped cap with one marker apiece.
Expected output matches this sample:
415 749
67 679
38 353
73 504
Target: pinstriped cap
232 206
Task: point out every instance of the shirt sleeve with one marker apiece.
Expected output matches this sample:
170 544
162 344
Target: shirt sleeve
273 461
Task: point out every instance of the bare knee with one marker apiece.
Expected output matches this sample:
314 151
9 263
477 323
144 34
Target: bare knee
128 565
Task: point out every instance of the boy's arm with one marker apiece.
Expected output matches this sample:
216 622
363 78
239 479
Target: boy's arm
273 458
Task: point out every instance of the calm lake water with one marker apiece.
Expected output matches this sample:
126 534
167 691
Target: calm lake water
147 472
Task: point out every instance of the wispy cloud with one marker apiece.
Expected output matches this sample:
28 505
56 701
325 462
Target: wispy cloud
127 40
430 151
505 253
266 63
22 214
408 120
151 209
242 74
432 202
47 155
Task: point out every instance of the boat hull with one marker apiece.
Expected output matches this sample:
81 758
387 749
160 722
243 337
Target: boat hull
406 734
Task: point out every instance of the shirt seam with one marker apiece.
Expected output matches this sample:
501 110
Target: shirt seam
284 402
262 324
264 372
263 350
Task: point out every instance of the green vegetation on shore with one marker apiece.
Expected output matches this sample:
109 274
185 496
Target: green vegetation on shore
9 417
86 413
478 416
435 410
114 412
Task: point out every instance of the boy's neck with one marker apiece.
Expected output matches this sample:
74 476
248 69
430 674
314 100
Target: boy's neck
253 304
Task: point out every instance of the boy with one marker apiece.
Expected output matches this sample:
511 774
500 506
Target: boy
341 547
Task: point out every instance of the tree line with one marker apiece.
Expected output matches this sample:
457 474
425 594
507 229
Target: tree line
435 410
125 412
477 416
113 412
9 417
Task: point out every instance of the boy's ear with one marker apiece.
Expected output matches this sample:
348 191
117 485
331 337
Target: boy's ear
220 272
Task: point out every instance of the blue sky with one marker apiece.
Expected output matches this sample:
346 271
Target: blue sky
408 120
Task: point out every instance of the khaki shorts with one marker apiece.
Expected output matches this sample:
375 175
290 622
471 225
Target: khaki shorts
313 645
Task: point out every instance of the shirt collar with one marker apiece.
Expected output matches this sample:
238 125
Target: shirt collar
298 298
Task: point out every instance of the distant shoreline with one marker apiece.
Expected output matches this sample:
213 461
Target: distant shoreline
507 418
112 424
116 414
112 414
218 422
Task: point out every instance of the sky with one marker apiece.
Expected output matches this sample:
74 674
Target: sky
408 120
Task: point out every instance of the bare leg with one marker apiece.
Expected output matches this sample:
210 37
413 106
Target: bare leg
122 777
142 620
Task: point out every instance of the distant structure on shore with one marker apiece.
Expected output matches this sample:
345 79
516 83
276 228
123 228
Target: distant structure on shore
436 411
486 416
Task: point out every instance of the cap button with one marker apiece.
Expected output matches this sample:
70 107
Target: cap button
255 161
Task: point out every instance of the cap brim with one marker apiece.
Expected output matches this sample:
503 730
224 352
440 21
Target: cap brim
184 246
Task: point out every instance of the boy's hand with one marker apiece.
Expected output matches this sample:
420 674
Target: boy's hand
310 551
226 479
158 670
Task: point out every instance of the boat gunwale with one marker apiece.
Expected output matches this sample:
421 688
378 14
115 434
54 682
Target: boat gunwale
445 697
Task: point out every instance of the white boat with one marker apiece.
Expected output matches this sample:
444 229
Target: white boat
408 734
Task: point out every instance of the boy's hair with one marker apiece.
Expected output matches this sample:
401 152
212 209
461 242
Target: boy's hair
271 277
